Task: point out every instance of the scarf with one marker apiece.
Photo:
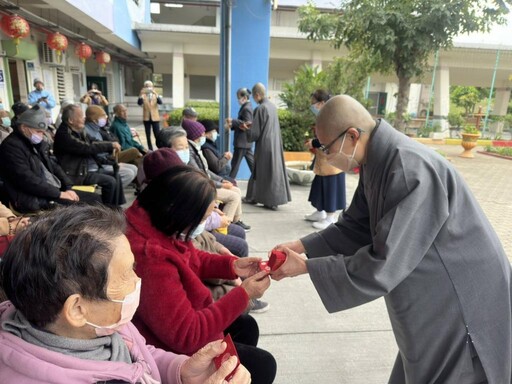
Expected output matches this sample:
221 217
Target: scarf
107 348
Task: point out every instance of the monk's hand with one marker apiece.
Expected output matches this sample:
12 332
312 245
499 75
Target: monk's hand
246 266
294 265
295 246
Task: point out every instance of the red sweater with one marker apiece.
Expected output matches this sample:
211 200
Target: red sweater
176 310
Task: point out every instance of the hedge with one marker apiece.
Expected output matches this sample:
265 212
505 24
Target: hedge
295 129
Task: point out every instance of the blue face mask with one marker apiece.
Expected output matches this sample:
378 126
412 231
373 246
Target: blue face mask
197 231
36 139
6 121
202 140
184 155
314 109
215 135
1 107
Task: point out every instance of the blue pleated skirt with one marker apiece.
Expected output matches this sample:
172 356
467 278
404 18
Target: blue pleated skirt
328 193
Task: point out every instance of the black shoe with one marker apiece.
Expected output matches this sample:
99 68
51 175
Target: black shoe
272 207
248 201
246 227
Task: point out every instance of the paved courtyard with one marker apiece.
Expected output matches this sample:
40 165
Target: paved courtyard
355 346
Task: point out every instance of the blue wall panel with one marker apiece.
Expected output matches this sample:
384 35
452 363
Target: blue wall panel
250 52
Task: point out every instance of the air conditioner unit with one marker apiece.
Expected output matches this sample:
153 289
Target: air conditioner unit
49 57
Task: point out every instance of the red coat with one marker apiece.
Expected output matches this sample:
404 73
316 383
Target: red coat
176 310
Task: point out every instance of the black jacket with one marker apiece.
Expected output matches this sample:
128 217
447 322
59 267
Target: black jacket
21 167
216 161
196 162
244 115
73 150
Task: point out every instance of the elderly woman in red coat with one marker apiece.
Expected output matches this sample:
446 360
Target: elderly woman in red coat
176 309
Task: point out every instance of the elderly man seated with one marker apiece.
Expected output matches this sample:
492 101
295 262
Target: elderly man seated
123 132
73 291
32 179
78 155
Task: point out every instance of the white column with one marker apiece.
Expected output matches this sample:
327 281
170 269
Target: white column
501 106
501 101
217 88
391 89
414 99
442 96
316 60
178 78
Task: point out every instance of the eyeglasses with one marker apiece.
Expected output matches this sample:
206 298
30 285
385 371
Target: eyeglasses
325 148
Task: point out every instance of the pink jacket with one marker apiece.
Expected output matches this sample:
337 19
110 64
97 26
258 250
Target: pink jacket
25 363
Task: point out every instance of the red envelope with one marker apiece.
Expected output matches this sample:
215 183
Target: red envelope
264 266
230 351
276 259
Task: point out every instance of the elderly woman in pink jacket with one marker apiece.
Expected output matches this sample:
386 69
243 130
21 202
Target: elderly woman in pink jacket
72 288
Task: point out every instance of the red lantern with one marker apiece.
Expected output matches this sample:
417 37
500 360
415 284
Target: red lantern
57 42
103 58
83 51
16 27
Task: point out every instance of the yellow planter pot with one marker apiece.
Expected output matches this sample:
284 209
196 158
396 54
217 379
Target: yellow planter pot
469 141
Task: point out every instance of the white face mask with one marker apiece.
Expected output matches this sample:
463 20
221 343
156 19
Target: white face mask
102 122
342 161
184 155
215 135
129 306
202 140
197 231
36 139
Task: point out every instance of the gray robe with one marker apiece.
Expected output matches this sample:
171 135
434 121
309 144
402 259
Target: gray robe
268 184
415 234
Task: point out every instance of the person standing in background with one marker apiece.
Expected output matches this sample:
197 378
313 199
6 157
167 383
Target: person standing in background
149 100
268 184
243 148
41 96
327 193
94 97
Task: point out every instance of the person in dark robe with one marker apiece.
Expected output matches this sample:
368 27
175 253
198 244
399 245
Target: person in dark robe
268 184
414 234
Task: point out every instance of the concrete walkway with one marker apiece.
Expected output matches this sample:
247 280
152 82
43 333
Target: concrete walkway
355 346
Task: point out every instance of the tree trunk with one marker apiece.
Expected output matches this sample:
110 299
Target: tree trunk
402 101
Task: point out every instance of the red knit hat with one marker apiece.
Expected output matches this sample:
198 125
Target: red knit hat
159 161
194 129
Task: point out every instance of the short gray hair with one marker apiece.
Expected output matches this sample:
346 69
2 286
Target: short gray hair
166 136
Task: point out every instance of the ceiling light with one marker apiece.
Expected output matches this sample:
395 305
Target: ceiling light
172 5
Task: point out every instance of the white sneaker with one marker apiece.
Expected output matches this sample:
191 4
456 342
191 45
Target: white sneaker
316 216
324 223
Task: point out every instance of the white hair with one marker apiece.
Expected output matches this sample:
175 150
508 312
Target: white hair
148 83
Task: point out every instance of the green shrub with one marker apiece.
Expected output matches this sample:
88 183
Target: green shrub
469 128
203 104
504 151
295 128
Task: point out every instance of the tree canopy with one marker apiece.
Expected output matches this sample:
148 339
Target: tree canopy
400 36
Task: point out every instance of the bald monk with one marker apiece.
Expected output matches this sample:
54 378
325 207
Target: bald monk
415 235
268 184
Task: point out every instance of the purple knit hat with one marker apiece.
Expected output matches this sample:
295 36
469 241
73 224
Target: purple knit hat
159 161
194 129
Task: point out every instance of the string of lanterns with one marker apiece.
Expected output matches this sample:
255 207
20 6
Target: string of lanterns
16 27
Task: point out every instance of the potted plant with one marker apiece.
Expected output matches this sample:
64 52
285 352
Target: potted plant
470 136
